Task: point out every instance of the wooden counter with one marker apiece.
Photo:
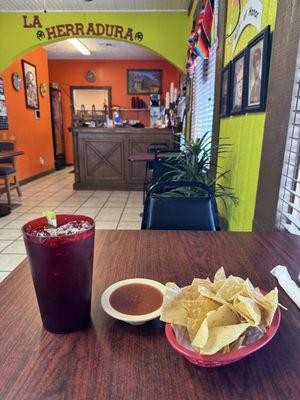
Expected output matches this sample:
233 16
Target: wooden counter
101 156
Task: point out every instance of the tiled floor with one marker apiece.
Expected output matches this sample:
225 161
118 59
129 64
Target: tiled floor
111 210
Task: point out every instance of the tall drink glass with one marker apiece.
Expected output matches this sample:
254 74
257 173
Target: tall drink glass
62 269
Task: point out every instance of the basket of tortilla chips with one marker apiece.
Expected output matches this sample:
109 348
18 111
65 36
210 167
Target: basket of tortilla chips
214 323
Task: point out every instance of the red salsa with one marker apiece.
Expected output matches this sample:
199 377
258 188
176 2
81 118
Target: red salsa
136 299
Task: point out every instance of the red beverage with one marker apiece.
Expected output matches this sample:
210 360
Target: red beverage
62 269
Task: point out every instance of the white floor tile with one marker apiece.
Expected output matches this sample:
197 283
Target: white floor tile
111 210
10 234
3 275
129 225
66 209
4 243
8 262
108 217
106 225
90 212
16 224
131 217
17 247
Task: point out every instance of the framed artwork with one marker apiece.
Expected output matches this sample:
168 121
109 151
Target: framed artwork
144 81
237 84
257 66
3 109
225 91
30 85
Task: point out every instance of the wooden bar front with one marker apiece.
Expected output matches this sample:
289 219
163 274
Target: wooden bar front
101 156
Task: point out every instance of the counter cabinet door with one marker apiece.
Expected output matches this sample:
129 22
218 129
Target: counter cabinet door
102 160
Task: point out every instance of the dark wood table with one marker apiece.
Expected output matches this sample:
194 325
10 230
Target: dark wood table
141 157
4 208
112 360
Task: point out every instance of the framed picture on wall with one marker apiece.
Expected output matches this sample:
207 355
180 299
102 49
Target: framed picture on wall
257 66
30 85
237 84
225 91
3 109
144 81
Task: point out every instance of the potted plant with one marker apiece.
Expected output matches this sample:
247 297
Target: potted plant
194 164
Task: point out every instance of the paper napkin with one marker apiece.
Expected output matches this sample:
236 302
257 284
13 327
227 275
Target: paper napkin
287 283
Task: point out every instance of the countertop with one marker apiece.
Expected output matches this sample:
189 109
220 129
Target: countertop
121 130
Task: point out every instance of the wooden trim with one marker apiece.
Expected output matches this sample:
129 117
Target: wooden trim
34 177
191 3
218 78
282 72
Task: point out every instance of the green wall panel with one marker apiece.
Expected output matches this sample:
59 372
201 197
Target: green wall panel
244 132
164 33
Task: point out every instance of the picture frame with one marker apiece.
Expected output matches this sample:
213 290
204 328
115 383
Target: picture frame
30 85
237 84
257 71
3 108
144 81
225 91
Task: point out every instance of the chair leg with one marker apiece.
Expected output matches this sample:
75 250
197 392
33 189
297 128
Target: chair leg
7 187
17 186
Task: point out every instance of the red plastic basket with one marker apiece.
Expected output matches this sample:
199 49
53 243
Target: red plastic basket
217 360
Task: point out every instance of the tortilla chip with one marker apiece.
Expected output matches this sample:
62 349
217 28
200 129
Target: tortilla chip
172 309
268 303
211 295
204 283
237 344
230 288
247 309
201 337
221 336
220 275
193 325
220 317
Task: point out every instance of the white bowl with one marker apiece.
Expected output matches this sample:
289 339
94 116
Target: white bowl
130 319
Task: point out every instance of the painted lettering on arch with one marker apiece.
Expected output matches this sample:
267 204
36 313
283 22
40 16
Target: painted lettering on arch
81 29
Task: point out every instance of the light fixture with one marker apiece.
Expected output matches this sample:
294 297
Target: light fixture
79 46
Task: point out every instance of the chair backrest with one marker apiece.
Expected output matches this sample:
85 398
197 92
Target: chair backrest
7 146
163 211
154 148
163 164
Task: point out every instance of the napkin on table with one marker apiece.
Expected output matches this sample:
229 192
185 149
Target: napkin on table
287 283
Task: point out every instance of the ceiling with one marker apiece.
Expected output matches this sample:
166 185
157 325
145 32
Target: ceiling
101 50
94 5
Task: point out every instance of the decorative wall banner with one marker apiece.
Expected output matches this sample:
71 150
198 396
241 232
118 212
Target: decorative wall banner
3 109
251 15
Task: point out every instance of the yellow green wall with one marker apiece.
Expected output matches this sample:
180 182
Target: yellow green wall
244 132
164 33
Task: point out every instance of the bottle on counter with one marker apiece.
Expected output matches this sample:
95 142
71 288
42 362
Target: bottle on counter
133 102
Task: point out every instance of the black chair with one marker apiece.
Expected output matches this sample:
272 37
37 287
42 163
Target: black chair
164 211
152 148
8 170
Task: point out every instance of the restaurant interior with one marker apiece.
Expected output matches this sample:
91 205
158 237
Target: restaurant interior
145 145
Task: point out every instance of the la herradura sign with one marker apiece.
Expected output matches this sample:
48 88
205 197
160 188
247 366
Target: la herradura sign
80 29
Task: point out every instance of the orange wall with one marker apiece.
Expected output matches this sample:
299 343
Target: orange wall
32 136
109 73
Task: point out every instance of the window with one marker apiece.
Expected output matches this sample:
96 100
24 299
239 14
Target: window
288 210
203 94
